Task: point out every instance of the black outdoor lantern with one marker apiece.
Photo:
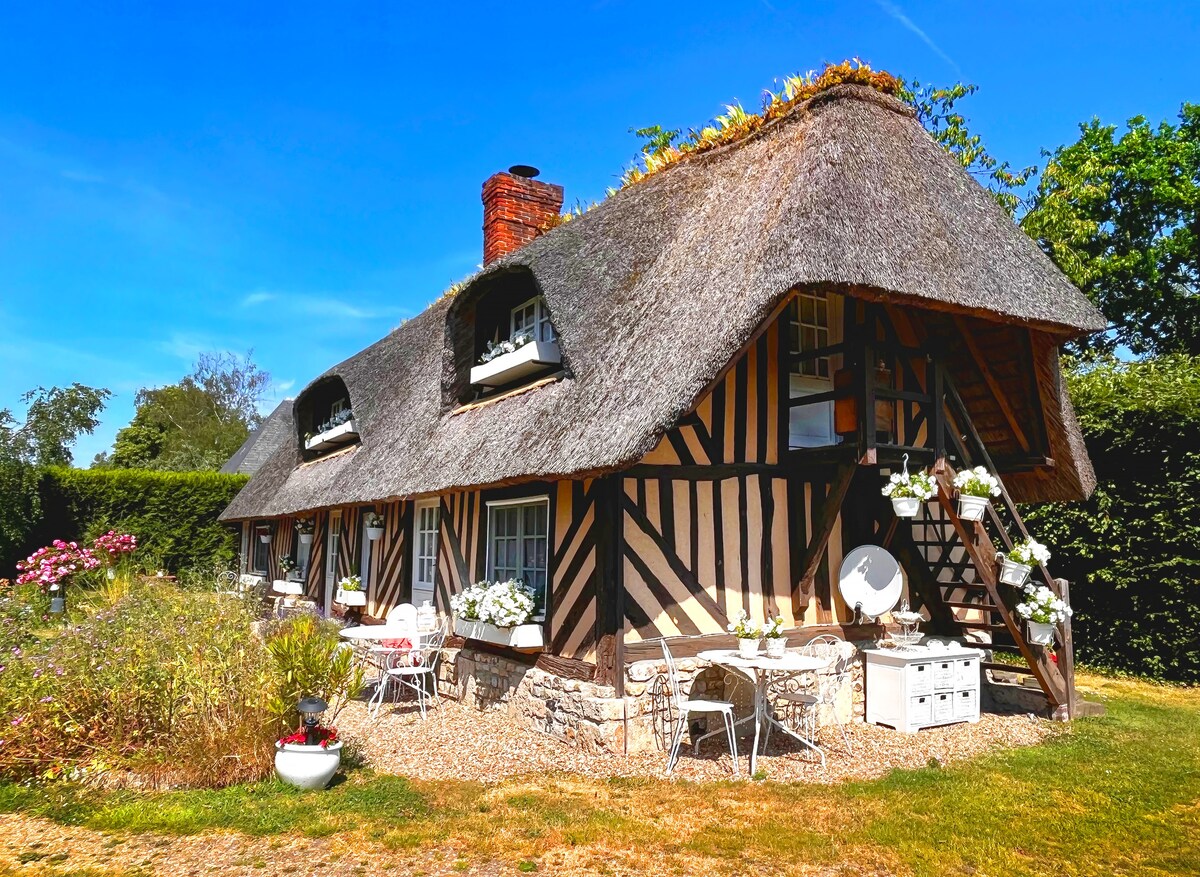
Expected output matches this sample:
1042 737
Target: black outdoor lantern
310 710
58 600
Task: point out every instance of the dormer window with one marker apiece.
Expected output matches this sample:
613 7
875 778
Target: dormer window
501 336
325 418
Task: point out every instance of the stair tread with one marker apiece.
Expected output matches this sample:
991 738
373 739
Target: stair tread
959 604
1007 668
981 625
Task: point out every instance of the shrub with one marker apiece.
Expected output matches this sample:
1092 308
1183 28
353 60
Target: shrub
309 658
173 514
162 684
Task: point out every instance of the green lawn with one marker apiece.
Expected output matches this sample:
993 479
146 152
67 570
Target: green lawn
1116 795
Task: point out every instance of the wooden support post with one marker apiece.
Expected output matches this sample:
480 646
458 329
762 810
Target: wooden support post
1066 658
610 589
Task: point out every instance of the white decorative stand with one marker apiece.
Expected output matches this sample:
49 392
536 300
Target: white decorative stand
914 688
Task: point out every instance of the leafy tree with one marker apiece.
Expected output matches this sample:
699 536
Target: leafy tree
936 110
196 424
54 419
1121 218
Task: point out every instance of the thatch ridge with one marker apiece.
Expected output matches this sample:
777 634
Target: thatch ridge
657 288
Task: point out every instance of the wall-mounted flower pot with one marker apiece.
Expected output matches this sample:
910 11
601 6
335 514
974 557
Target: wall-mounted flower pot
522 636
306 538
972 508
1013 573
374 533
342 434
351 598
307 767
509 367
1040 633
906 506
264 538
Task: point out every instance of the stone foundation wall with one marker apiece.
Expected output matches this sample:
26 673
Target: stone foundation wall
591 716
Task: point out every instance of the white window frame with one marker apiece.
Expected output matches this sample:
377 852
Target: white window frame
539 499
806 378
332 553
418 507
542 328
338 406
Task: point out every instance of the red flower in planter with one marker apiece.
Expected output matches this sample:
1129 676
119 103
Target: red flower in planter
325 736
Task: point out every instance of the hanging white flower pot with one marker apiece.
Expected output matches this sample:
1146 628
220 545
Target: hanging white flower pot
748 648
1041 633
972 508
1013 573
374 533
776 646
306 538
906 506
264 538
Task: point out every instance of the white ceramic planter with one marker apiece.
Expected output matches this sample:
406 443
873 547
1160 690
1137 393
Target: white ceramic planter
1013 573
972 508
374 533
523 361
306 538
906 506
342 434
522 636
776 646
307 767
351 598
748 648
264 538
1040 633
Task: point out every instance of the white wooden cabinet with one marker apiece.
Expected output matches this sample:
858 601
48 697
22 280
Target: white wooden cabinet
911 689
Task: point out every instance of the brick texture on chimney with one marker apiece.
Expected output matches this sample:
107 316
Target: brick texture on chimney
514 211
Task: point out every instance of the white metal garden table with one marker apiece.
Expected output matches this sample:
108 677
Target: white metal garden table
759 671
368 641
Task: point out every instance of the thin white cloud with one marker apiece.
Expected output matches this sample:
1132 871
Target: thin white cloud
331 306
284 386
257 298
899 15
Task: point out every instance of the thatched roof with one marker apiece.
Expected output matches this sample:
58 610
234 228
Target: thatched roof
275 431
656 289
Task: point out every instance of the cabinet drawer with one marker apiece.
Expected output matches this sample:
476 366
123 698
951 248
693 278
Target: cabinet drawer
943 707
967 672
920 709
966 704
943 674
920 678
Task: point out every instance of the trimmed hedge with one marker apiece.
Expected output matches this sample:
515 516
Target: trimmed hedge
173 514
1132 551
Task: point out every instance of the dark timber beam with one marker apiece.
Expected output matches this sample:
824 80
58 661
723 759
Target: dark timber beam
993 385
823 523
610 590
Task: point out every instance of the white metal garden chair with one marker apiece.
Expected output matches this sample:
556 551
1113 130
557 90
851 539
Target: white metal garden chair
685 707
799 699
417 669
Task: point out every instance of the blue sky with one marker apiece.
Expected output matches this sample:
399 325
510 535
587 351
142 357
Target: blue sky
298 178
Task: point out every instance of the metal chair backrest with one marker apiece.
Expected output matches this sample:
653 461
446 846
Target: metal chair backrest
403 615
431 647
675 687
227 581
837 672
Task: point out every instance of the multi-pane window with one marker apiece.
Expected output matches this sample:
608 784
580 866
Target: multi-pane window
809 330
518 544
425 547
532 318
261 558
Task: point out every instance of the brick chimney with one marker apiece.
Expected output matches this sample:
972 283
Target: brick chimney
515 208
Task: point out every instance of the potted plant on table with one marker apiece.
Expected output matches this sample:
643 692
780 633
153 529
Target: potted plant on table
304 529
748 633
1042 611
976 487
908 491
374 524
350 592
774 637
286 565
1016 565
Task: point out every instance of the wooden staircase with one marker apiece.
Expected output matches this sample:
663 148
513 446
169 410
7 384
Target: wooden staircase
964 595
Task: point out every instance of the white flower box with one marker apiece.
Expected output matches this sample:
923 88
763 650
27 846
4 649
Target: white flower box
342 434
523 636
509 367
351 598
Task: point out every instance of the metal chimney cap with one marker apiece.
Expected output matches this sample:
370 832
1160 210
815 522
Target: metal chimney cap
527 171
